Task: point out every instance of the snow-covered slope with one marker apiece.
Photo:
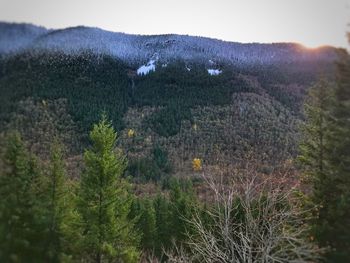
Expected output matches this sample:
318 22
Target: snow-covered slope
15 37
138 50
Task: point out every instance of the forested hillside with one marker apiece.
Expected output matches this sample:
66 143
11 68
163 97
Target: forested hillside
192 97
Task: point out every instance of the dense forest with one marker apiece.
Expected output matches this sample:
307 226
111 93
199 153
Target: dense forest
241 110
200 158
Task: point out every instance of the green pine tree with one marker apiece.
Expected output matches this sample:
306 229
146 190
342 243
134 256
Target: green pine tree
182 203
104 201
57 209
332 189
325 153
20 232
162 221
312 147
147 225
143 214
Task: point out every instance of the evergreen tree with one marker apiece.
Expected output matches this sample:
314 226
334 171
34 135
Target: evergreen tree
148 226
332 189
57 207
182 203
104 201
144 216
20 239
312 147
162 221
325 154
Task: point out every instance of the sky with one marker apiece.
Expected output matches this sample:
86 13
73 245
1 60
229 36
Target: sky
312 23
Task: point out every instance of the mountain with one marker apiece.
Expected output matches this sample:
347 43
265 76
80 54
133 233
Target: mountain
138 48
190 97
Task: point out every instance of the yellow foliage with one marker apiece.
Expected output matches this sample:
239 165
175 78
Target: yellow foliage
131 133
197 164
194 127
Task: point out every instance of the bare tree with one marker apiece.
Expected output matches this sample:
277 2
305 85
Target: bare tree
250 221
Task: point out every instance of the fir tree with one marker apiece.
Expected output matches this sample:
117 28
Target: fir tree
147 225
104 201
142 212
20 239
325 153
162 221
312 147
57 206
332 189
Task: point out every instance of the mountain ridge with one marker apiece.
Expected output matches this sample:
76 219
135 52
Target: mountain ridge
136 49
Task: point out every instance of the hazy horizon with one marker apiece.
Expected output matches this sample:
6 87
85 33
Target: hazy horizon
312 23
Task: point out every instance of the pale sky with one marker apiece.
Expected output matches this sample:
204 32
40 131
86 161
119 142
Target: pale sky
309 22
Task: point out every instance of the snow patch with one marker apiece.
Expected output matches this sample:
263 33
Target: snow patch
145 69
214 72
188 69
